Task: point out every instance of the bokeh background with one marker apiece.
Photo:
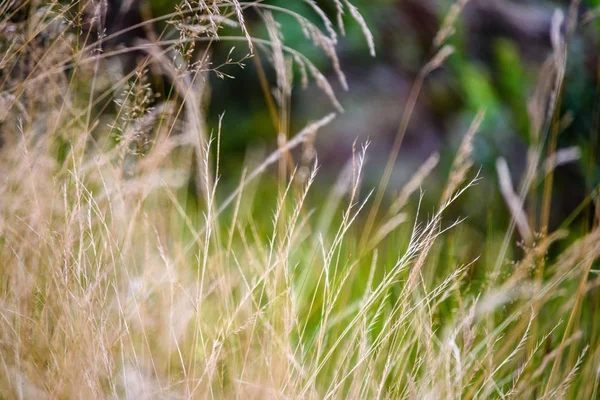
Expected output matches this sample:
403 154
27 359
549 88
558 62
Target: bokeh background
500 50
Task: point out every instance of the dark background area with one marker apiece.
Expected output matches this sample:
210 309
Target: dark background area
500 50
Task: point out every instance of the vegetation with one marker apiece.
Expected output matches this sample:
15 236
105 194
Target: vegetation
133 267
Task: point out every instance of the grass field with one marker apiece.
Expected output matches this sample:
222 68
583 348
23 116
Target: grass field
128 270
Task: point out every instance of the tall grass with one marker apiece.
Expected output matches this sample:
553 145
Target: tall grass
126 273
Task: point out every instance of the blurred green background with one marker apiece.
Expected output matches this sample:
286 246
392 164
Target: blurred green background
500 50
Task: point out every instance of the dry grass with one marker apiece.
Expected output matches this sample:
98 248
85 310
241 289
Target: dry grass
114 284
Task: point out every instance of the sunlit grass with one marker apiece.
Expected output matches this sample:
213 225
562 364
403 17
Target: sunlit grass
129 272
